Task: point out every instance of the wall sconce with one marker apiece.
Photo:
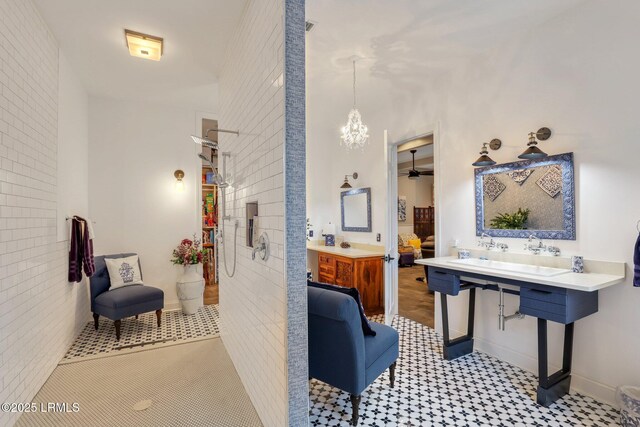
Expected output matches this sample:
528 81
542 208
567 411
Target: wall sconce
346 180
484 159
179 174
533 152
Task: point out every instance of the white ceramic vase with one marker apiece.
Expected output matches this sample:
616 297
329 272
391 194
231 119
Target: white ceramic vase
190 289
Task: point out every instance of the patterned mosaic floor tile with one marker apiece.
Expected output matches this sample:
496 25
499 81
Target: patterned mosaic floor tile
474 390
176 327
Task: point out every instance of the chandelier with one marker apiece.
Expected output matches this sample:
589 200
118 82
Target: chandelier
354 133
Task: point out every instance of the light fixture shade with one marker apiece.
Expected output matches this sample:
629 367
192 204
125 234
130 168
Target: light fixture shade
144 45
533 152
484 160
346 184
354 134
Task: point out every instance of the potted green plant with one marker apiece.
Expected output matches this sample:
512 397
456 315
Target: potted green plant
514 221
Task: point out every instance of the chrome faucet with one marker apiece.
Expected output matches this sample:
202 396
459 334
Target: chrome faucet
487 245
553 250
502 246
535 249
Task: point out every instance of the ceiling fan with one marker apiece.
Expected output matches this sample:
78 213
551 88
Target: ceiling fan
413 172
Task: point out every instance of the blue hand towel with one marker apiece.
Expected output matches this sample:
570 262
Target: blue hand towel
636 261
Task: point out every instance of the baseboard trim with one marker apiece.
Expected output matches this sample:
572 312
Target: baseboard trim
172 306
580 384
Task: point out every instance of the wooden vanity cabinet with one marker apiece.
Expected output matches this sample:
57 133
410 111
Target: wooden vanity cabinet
365 274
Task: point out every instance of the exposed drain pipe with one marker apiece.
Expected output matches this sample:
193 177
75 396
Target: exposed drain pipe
502 319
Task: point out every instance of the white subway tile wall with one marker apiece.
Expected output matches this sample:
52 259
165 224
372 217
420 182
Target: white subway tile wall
253 303
40 312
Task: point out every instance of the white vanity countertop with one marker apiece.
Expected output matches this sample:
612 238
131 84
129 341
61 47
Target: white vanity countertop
352 252
588 282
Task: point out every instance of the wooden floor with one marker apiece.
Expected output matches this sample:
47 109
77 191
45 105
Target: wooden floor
211 295
414 300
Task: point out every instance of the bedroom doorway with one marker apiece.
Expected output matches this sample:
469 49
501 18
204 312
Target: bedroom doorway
416 227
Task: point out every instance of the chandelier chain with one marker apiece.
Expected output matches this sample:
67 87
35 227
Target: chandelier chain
354 83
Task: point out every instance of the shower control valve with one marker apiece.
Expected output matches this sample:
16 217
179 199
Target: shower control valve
261 248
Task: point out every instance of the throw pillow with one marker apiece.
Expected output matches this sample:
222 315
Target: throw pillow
415 243
124 271
355 294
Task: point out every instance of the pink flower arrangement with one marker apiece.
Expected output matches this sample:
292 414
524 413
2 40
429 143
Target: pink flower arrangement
189 252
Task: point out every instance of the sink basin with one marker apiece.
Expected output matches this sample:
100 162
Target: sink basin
512 267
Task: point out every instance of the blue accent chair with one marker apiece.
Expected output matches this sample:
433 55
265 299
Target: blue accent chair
339 352
121 302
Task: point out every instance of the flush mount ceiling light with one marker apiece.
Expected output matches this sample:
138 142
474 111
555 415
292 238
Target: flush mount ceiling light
143 45
533 152
484 159
346 180
355 134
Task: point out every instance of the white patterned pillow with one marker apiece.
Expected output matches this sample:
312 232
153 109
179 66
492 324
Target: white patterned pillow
124 271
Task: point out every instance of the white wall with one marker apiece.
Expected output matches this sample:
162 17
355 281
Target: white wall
134 149
417 193
574 73
328 163
586 92
73 148
254 302
384 105
42 115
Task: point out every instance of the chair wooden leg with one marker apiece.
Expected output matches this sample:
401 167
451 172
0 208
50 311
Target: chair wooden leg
159 316
392 374
117 324
96 316
355 408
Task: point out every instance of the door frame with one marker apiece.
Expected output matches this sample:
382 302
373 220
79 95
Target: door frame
391 217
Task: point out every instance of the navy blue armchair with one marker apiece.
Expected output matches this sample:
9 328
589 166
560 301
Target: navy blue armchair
121 302
339 352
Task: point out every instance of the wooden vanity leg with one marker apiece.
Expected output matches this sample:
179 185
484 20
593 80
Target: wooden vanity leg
454 348
553 387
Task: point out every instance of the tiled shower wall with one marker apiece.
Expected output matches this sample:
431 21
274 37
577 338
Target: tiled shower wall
256 303
38 308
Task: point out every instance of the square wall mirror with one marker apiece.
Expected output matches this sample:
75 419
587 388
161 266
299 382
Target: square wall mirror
356 209
527 197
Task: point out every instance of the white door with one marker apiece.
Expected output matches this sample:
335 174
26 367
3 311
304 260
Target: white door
391 232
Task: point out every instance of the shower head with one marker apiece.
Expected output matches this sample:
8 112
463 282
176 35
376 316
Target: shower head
217 180
204 142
